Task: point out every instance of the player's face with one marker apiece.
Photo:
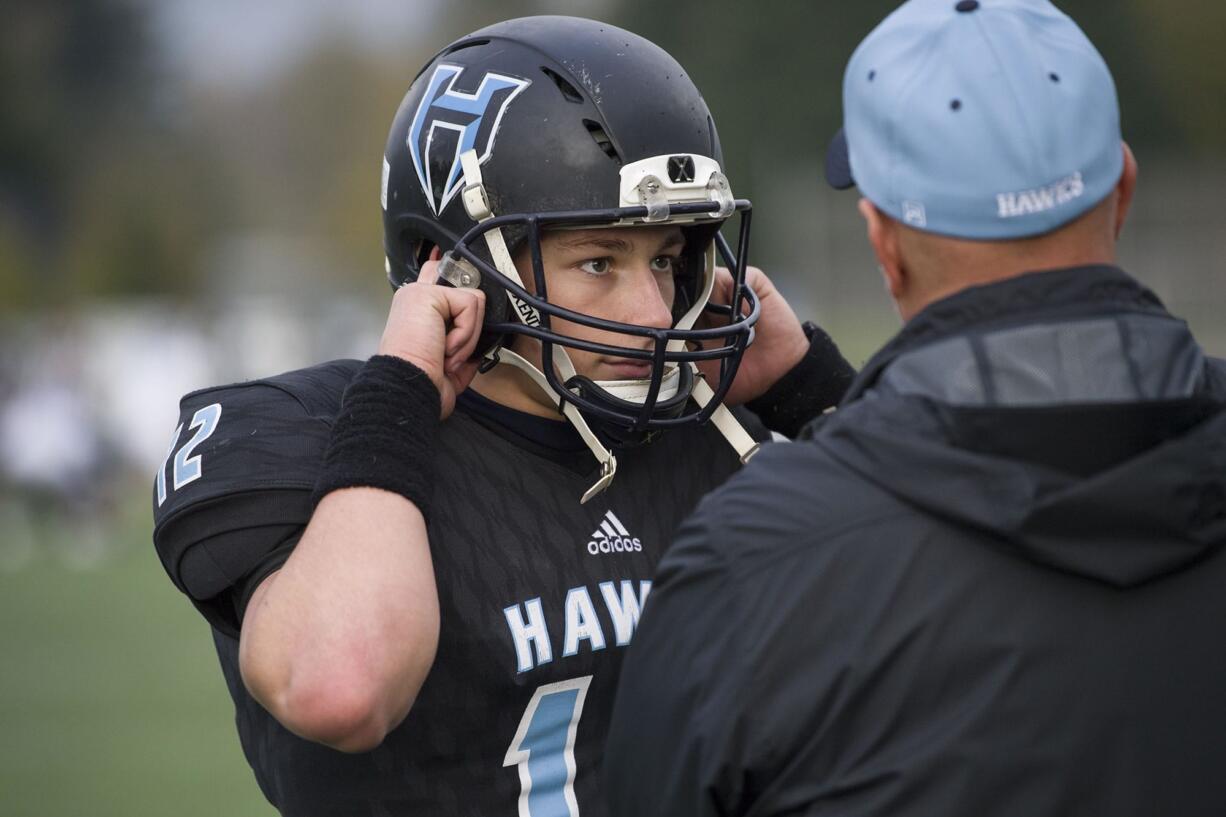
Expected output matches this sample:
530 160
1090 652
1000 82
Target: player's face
622 274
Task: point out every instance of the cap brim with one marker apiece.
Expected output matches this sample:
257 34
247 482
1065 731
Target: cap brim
838 163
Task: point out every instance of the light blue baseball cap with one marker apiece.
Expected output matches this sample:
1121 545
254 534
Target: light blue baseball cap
980 119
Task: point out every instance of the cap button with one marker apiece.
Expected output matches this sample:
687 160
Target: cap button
966 5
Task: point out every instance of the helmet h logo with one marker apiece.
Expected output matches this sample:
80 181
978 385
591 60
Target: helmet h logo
448 122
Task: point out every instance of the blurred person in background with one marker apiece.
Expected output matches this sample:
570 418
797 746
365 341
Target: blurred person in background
416 616
991 582
55 459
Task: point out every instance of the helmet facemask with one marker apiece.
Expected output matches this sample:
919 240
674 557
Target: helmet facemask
674 393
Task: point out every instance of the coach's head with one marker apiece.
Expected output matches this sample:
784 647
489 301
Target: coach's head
984 136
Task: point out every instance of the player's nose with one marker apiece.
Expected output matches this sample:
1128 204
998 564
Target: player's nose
649 301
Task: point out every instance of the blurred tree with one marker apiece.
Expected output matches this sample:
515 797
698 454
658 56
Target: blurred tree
68 65
1152 120
93 173
300 157
1182 49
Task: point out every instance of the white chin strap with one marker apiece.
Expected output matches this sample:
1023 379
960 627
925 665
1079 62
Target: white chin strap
476 203
635 391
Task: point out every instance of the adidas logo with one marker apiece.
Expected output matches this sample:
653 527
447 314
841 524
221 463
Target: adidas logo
612 537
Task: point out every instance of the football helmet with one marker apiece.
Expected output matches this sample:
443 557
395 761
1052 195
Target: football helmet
549 123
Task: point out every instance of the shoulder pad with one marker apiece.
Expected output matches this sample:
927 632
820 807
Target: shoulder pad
268 433
242 457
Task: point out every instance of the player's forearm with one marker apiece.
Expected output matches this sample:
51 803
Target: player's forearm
341 642
337 644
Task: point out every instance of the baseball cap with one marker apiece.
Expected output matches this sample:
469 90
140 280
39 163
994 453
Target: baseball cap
980 119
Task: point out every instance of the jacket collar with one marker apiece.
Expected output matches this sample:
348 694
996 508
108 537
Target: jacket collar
1035 295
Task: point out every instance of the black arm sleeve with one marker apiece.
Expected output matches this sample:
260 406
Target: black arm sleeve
813 385
240 594
219 552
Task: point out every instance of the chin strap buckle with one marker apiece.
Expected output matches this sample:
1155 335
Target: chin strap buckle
608 462
608 469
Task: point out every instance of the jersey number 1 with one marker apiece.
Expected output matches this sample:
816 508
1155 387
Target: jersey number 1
544 749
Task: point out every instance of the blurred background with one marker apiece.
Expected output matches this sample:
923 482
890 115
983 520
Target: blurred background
189 195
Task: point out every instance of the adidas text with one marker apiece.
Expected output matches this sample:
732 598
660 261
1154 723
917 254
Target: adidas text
612 537
614 544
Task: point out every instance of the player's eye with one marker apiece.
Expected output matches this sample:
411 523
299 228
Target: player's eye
596 266
664 263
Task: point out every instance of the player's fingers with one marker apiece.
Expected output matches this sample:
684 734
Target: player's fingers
468 311
469 347
757 280
463 375
721 292
429 270
459 352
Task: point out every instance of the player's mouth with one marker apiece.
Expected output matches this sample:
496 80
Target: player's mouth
627 369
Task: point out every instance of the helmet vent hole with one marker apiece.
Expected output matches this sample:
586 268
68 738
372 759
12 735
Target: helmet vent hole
466 44
568 91
602 139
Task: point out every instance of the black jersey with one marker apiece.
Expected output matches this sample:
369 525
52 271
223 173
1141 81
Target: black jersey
538 594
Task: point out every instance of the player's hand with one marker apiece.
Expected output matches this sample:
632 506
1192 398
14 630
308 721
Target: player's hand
436 328
779 341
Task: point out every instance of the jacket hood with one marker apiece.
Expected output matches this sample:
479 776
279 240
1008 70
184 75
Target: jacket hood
1064 412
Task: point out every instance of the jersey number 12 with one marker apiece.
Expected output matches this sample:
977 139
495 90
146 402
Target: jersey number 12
186 467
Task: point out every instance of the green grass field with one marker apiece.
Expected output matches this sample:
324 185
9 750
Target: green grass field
111 700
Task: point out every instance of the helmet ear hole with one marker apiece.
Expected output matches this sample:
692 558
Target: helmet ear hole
415 250
423 251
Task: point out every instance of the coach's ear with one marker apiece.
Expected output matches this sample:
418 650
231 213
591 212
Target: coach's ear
883 236
1124 189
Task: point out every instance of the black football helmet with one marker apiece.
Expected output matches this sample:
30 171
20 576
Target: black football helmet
551 122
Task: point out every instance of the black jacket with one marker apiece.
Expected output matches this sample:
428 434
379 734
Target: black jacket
991 584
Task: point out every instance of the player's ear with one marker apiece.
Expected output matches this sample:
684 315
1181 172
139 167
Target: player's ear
883 237
1124 189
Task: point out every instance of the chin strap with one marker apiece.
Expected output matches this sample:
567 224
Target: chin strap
635 391
477 204
724 420
608 462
